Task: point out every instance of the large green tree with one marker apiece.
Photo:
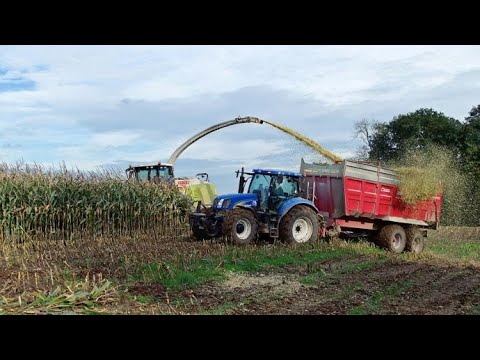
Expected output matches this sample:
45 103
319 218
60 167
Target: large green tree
389 140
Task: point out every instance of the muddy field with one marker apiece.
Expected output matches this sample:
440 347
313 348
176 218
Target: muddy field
338 277
360 285
443 280
387 288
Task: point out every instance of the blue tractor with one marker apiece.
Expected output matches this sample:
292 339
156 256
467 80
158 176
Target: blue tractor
272 207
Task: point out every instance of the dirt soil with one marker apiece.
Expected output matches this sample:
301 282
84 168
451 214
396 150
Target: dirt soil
440 281
358 284
388 288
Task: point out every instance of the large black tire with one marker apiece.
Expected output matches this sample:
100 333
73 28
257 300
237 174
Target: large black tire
392 238
200 234
241 226
415 240
299 225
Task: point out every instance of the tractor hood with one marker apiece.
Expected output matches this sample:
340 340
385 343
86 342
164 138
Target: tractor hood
228 201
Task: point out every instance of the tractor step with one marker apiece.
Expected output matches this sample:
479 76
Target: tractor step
273 228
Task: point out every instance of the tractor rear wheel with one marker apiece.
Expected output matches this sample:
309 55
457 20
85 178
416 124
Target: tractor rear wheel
241 226
415 240
299 225
393 238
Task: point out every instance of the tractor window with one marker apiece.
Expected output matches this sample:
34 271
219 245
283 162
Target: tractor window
259 182
165 172
143 175
290 185
284 186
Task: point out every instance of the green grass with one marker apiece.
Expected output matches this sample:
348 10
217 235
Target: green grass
173 276
145 299
359 310
312 279
374 302
219 310
454 250
180 302
344 293
264 260
93 312
180 275
347 268
364 265
475 310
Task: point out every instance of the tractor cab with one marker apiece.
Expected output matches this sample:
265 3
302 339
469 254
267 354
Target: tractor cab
156 172
272 187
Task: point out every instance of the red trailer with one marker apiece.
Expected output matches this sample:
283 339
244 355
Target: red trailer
355 196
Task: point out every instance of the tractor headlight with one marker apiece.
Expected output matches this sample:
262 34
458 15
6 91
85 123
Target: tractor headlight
227 203
220 203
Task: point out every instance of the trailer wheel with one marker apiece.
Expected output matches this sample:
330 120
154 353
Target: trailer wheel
392 238
299 225
200 234
415 240
241 226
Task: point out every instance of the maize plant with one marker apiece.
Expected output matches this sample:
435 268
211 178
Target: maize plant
70 204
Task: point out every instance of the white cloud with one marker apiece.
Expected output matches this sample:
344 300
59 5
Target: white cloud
113 139
155 73
76 111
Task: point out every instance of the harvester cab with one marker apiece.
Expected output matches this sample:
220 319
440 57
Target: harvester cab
271 206
155 172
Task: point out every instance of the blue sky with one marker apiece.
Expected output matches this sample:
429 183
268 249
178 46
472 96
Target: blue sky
96 106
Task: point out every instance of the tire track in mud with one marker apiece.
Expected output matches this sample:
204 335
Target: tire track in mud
419 288
392 287
346 291
450 290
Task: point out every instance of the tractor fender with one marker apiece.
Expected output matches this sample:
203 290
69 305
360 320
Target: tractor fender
291 203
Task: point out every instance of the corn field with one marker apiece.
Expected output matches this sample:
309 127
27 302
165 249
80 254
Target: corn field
60 204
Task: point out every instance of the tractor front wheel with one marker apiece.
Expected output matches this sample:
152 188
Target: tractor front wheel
299 225
241 226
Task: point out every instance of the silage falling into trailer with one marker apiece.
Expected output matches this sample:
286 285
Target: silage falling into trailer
309 142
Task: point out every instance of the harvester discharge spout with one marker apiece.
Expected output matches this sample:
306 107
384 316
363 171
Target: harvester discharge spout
249 119
239 120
